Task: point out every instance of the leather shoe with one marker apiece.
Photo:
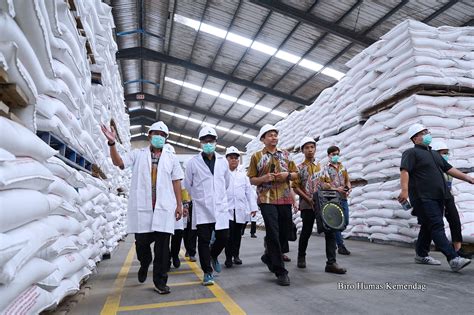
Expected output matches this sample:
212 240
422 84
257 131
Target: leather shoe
142 273
283 280
237 261
286 258
301 262
334 268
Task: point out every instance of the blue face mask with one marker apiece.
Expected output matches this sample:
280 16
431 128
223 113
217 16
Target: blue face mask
427 139
335 159
445 156
208 148
158 141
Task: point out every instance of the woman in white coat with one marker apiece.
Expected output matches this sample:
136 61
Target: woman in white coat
207 178
154 201
242 204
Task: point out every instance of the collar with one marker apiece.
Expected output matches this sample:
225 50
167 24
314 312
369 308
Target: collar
204 156
306 161
335 166
265 150
423 147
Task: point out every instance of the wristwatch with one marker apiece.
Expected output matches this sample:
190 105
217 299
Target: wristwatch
111 144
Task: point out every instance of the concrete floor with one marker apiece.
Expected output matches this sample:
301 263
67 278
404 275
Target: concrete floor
251 289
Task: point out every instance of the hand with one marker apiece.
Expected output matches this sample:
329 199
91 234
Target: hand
253 214
403 196
111 134
267 178
310 201
185 212
469 179
179 212
281 177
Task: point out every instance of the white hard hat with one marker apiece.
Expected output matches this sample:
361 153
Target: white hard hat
414 129
159 126
306 140
207 131
439 145
266 128
232 150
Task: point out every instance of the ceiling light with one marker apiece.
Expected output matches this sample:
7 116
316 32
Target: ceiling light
287 56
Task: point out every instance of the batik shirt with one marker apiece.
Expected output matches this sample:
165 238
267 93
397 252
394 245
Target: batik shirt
308 181
277 193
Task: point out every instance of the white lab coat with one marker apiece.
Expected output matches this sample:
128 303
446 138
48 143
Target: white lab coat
208 191
249 218
240 197
140 216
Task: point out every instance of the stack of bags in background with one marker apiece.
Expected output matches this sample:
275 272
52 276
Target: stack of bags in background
57 222
410 55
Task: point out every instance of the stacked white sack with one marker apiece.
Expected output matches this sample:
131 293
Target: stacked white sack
62 232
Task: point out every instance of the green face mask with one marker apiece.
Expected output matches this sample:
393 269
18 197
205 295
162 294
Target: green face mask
427 139
445 156
208 148
158 141
335 159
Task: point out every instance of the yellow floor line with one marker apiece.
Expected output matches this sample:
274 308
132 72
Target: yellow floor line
181 284
167 304
112 303
229 304
181 272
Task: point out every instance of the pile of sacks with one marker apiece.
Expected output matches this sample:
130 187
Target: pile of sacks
409 55
57 223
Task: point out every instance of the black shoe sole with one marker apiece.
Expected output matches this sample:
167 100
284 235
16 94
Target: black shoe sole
162 292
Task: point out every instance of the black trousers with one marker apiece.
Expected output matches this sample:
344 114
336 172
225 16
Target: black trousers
190 235
204 232
176 243
253 228
308 217
278 224
232 248
161 250
452 216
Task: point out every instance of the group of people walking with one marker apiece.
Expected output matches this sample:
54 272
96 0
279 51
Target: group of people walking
210 203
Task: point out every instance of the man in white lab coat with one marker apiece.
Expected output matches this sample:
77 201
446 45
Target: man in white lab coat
154 202
207 178
242 203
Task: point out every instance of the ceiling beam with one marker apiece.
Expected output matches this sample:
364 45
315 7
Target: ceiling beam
325 25
153 55
161 100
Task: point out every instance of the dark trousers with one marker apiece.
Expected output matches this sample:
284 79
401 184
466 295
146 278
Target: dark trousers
176 243
308 217
204 232
232 248
278 224
161 252
253 228
430 217
190 235
452 216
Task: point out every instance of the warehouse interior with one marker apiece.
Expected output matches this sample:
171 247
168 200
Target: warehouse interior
352 73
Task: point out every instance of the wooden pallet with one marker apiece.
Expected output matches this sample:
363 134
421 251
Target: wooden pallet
12 95
3 76
66 153
96 77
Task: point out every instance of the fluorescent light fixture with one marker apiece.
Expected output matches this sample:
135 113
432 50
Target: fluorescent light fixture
287 56
152 108
278 113
135 127
131 109
206 28
308 64
184 145
138 135
259 46
244 41
223 96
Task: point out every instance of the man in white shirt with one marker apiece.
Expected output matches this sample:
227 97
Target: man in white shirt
207 178
154 202
242 202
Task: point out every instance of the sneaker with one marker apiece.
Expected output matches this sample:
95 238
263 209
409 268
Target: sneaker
266 260
283 280
343 250
208 279
192 259
301 262
162 289
253 236
458 263
228 263
334 268
237 261
176 262
428 260
285 258
464 254
216 265
142 273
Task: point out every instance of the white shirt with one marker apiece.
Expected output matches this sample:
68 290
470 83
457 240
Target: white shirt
140 216
240 197
208 191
